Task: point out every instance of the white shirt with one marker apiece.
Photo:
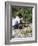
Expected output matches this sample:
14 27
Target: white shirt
17 19
14 20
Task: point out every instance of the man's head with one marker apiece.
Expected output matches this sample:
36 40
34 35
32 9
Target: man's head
20 15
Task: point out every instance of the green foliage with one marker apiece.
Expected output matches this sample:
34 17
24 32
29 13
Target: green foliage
26 13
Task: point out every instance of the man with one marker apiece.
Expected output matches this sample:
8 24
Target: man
17 21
